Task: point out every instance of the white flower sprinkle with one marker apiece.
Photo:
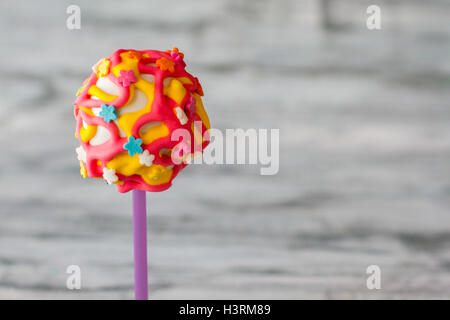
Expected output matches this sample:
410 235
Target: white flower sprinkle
110 175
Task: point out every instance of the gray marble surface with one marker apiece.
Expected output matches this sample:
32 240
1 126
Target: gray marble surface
364 119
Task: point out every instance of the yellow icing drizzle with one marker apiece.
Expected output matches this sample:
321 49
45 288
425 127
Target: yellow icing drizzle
184 80
201 111
127 120
128 165
88 111
88 133
175 90
197 135
154 133
102 95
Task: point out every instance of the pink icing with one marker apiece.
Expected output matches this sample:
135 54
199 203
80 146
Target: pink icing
161 110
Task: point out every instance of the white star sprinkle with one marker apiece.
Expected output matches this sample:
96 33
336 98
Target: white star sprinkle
181 115
81 154
110 175
146 158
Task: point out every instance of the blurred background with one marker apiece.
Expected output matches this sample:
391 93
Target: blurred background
364 119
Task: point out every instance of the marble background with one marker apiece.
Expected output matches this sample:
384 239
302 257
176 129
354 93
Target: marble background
364 119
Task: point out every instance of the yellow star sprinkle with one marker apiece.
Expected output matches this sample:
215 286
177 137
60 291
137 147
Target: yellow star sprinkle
101 68
83 170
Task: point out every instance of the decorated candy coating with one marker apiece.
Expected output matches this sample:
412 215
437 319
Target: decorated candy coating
126 112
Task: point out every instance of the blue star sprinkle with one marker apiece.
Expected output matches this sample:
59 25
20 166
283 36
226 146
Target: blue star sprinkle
108 113
133 146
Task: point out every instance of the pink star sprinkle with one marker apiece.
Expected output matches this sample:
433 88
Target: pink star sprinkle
177 56
126 77
178 59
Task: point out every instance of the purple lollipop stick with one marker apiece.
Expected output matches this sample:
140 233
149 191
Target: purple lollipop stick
140 245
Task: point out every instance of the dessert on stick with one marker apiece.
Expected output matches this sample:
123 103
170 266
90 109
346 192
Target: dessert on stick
127 112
